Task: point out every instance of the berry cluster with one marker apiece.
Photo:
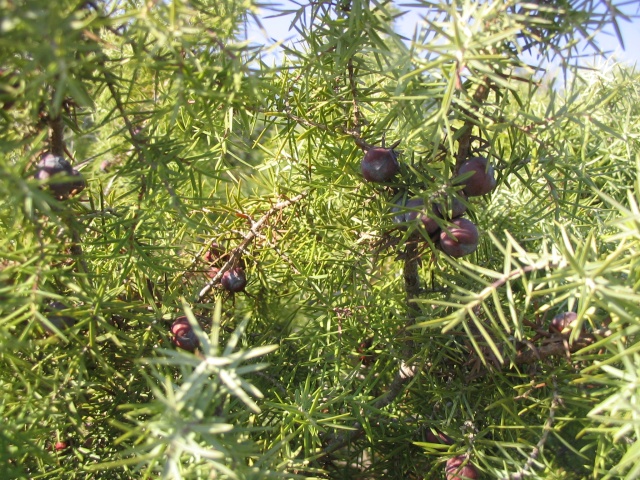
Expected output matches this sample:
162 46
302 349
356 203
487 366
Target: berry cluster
233 280
459 237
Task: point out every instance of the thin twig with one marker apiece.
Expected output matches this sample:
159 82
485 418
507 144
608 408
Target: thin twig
135 140
355 133
320 126
555 402
513 274
254 231
464 142
555 346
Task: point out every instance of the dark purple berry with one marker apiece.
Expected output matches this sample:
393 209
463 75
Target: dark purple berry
234 280
76 185
215 254
482 180
563 321
461 238
60 445
50 165
455 469
438 437
183 335
61 179
379 165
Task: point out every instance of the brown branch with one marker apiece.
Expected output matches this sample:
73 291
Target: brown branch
516 273
57 146
254 231
136 139
464 141
76 249
56 138
405 371
557 346
404 374
321 126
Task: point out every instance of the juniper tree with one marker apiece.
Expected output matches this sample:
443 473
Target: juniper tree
150 150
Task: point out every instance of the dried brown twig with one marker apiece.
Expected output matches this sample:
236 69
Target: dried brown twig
254 231
557 346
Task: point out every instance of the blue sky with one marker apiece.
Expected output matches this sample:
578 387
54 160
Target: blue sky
631 37
278 29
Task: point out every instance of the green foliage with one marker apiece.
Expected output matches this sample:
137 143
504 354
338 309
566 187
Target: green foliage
356 338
